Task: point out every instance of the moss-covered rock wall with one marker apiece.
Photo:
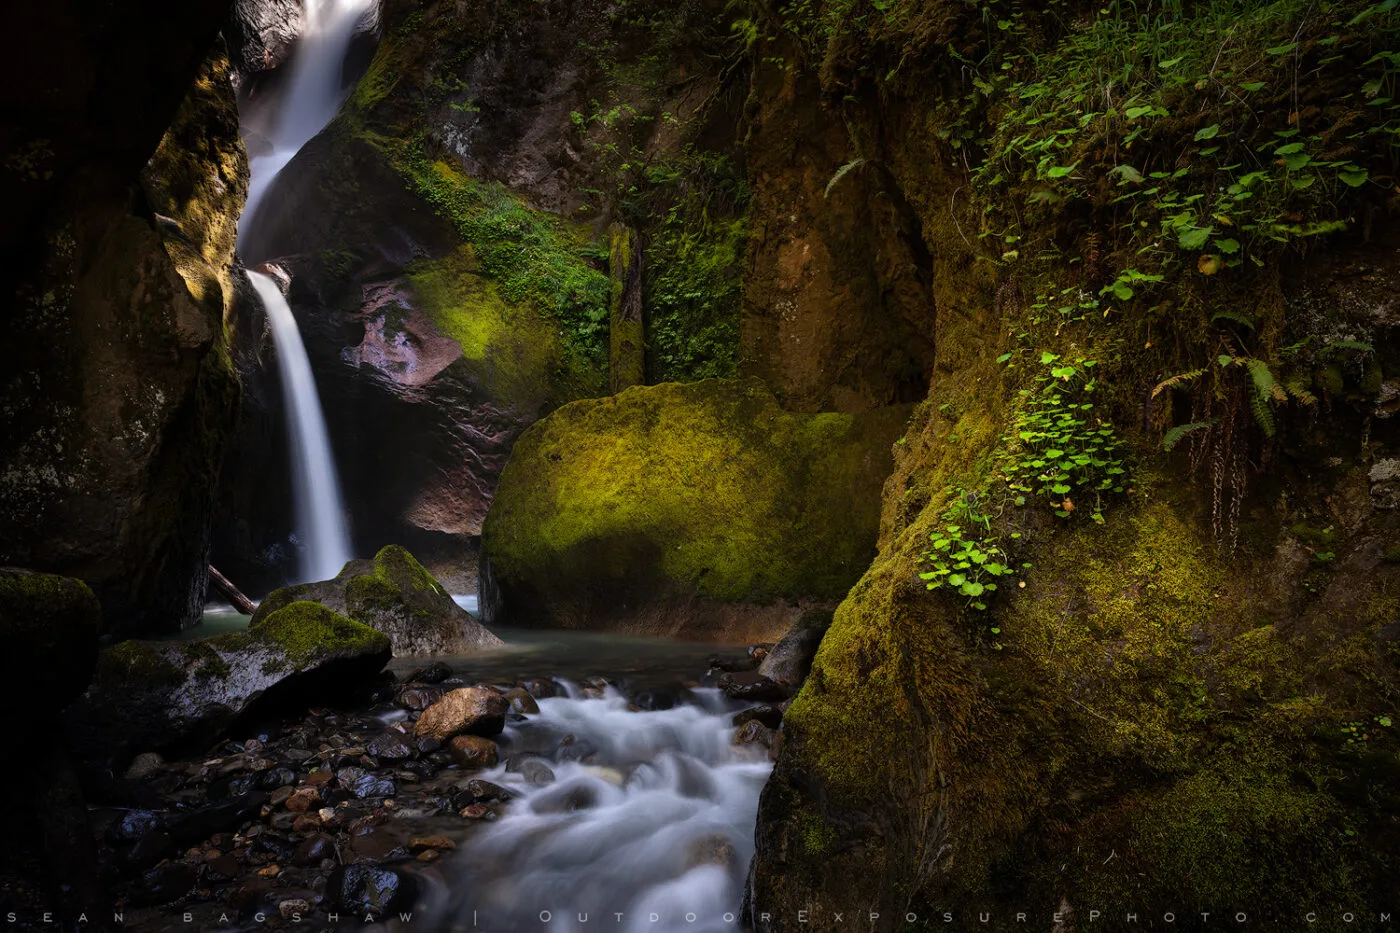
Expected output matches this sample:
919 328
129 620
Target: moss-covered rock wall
1181 694
119 391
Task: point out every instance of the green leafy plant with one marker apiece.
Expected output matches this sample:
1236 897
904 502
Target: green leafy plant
966 556
1061 450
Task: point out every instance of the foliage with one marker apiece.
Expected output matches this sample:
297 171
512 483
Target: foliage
1062 450
966 557
532 255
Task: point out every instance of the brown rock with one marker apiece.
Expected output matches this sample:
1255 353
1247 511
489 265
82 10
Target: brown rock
714 849
478 710
473 751
521 701
304 799
432 842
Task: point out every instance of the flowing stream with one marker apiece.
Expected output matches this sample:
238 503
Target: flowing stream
654 832
320 515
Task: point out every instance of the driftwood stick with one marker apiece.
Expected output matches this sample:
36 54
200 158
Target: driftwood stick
221 583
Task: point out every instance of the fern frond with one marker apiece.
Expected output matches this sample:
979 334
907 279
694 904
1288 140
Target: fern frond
1356 345
1174 436
840 174
1297 388
1261 393
1177 381
1236 316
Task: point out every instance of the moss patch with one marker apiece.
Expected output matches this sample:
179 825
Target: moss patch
302 630
708 488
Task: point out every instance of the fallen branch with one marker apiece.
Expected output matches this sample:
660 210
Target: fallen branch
221 583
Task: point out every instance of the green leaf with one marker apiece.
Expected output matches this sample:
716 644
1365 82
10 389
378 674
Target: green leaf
1282 49
1194 237
1253 86
1060 171
972 588
1209 132
1354 176
1228 246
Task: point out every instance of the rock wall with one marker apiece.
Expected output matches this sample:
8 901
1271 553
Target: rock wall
119 391
1159 709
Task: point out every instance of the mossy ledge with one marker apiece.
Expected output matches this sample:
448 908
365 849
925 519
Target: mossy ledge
671 508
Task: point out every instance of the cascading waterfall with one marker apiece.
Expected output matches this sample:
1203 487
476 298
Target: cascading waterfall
320 514
314 93
659 822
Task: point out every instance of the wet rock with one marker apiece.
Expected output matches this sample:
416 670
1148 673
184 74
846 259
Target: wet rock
396 595
536 772
426 744
714 849
566 798
431 842
132 825
572 748
730 663
649 700
521 701
770 716
791 658
390 745
293 908
149 695
303 799
362 888
756 733
163 884
222 868
478 811
420 698
751 686
542 689
434 673
473 751
375 846
277 777
197 825
475 710
479 791
144 765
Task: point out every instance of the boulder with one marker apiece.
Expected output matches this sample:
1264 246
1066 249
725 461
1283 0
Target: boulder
396 595
701 510
49 625
790 659
174 695
477 710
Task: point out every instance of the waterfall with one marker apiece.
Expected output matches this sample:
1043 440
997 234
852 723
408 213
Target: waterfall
320 517
313 94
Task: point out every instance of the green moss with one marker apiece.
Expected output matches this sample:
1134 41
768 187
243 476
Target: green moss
514 346
303 630
708 487
138 662
391 585
531 256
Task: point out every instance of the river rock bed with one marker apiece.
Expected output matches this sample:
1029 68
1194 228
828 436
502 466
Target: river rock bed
343 816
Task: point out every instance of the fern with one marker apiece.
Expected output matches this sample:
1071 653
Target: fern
1236 316
840 174
1298 389
1174 436
1337 346
1177 381
1262 393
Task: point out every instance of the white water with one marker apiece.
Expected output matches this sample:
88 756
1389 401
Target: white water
616 836
320 516
313 94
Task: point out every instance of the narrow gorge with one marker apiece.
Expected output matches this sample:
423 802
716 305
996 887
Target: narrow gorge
753 465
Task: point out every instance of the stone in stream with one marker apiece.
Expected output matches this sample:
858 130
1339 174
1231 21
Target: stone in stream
473 751
521 701
790 659
770 716
366 887
752 686
163 884
541 688
161 695
392 745
478 791
313 849
396 595
477 710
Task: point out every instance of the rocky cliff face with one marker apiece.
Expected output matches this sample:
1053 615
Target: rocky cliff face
1180 690
119 390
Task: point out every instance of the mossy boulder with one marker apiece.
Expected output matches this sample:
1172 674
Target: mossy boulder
158 696
394 594
700 510
49 626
